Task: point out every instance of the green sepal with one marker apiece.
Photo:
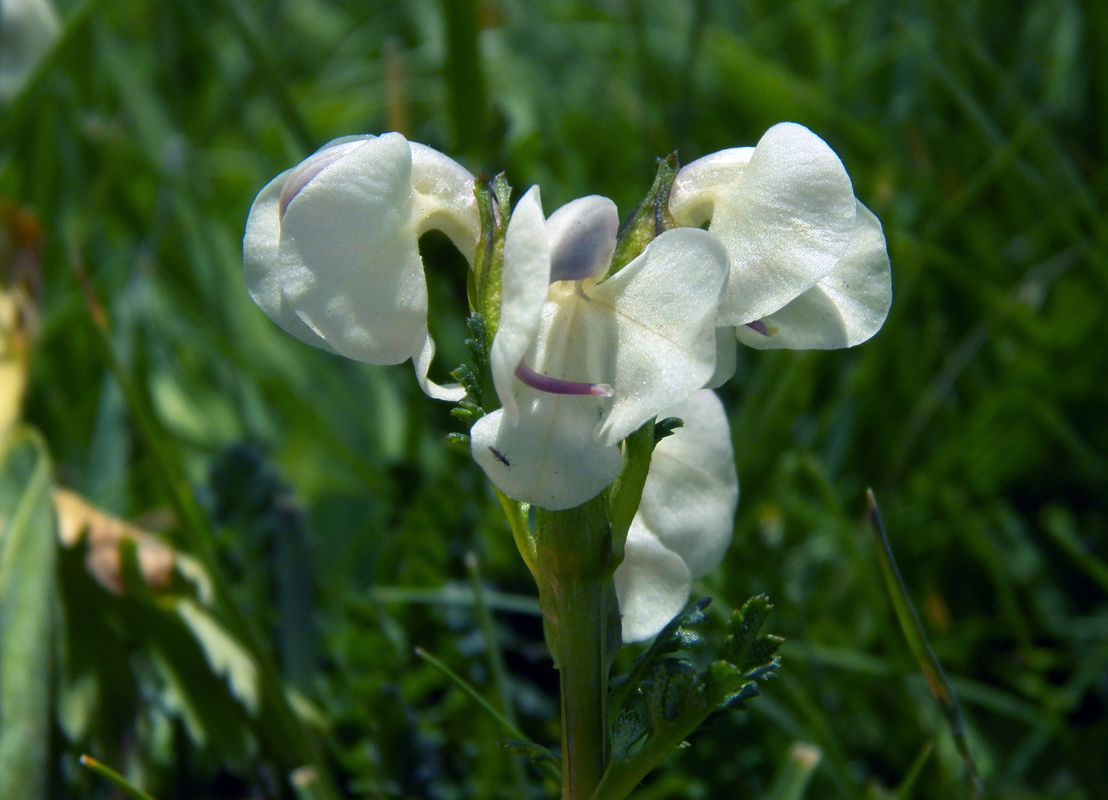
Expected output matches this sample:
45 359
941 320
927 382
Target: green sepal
650 219
494 209
625 494
666 427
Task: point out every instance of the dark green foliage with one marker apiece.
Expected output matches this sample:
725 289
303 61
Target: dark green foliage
976 131
665 699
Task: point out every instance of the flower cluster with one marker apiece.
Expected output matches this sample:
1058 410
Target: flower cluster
584 355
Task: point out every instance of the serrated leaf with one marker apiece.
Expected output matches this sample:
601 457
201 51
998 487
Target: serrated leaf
468 380
674 636
724 678
737 700
744 627
766 671
464 414
478 340
761 652
689 640
28 551
628 729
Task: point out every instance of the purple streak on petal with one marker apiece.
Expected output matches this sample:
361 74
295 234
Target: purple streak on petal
545 383
758 325
314 164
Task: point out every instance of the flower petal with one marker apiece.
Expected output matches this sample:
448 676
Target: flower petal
523 289
582 236
845 308
444 198
260 263
659 318
691 490
692 197
727 358
550 458
652 584
349 255
302 174
685 520
786 218
421 361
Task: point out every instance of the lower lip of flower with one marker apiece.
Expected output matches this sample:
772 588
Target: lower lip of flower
544 383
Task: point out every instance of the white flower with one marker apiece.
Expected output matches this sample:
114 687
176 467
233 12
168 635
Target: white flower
331 251
579 364
685 520
809 268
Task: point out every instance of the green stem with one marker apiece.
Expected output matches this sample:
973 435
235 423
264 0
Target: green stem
577 597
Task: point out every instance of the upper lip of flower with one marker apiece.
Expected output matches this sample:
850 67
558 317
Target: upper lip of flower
331 251
648 332
808 261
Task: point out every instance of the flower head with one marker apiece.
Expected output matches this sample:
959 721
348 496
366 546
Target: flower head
331 251
809 268
685 520
579 362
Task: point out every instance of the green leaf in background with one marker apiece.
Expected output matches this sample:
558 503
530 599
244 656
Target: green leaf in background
225 655
27 555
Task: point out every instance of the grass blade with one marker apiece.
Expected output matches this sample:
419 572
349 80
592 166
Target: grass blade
921 649
113 777
462 684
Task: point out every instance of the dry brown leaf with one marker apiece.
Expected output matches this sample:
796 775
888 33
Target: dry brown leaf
77 517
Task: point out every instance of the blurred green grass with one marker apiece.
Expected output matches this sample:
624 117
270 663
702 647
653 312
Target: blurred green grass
978 133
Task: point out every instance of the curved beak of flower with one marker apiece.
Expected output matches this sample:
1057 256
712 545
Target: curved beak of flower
331 251
809 269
